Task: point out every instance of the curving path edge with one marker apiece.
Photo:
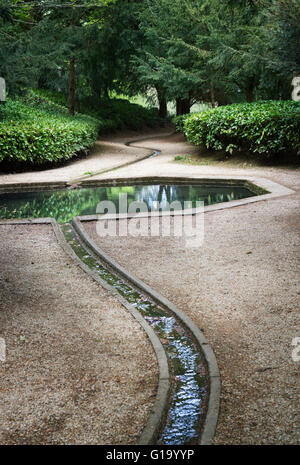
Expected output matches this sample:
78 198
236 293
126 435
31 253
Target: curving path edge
211 419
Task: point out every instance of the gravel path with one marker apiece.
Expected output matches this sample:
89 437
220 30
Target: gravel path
241 288
79 368
164 165
109 152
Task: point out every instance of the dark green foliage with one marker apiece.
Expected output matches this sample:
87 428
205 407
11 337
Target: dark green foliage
179 122
167 59
283 37
126 115
194 50
48 96
114 113
267 128
217 51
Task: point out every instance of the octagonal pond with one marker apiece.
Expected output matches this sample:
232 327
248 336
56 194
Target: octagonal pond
65 203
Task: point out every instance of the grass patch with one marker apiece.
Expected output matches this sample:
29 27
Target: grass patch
236 160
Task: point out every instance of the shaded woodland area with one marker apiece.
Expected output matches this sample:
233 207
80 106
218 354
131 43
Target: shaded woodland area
189 51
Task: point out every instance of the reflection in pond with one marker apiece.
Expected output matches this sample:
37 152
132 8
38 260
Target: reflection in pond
64 204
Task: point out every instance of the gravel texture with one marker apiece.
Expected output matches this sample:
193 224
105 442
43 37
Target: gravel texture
79 368
241 288
109 152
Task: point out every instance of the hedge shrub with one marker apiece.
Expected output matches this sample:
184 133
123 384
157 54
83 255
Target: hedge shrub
37 135
179 121
37 130
266 128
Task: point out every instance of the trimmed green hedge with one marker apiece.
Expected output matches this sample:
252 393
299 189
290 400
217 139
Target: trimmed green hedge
179 121
267 128
37 135
37 130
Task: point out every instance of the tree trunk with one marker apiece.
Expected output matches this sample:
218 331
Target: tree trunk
162 107
72 87
221 98
212 95
162 102
183 106
186 106
249 91
249 94
78 106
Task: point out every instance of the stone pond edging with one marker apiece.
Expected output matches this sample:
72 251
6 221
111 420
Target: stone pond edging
271 190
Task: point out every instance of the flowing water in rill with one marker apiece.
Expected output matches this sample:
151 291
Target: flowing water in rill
64 204
189 374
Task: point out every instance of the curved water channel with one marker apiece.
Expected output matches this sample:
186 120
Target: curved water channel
189 392
190 389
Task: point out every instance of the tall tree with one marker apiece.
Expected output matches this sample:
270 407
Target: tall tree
164 60
282 35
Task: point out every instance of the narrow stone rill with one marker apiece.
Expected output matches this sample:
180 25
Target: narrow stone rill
188 400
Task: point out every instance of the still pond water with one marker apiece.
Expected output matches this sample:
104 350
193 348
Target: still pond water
64 204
